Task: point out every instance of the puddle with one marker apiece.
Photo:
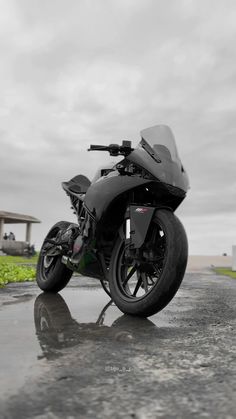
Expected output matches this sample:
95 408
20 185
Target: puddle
19 348
34 330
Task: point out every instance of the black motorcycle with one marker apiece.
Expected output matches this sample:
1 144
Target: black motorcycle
127 234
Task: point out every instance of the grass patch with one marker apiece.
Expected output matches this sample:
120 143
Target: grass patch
19 259
17 269
226 271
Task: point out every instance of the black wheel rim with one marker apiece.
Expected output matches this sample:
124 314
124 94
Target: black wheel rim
137 276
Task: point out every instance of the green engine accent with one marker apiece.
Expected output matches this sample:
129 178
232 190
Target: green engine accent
90 265
86 260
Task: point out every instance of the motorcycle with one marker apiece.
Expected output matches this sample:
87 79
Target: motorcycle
126 234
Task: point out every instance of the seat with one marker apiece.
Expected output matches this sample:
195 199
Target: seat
77 185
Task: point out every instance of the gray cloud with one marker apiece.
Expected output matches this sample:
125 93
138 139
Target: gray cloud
86 72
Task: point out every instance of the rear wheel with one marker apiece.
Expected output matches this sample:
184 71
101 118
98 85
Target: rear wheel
143 282
52 275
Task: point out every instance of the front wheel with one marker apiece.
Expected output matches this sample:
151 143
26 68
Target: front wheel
51 274
143 281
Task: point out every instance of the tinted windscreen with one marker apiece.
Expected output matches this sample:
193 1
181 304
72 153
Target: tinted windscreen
161 139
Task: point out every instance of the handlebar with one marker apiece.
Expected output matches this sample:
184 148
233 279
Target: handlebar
98 148
114 149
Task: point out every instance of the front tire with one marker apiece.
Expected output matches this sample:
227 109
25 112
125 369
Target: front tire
51 274
143 285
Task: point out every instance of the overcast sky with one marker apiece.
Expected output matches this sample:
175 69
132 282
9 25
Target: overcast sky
75 72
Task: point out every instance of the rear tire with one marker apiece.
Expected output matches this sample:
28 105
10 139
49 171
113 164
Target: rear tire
51 274
146 287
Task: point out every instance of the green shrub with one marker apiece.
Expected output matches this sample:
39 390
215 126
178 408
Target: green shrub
10 272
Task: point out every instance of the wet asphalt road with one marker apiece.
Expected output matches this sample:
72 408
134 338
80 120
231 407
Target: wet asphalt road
77 356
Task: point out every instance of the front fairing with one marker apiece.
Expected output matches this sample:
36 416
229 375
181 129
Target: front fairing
163 172
160 157
108 188
166 171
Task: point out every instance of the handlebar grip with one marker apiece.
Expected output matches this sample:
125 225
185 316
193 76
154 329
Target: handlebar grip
98 148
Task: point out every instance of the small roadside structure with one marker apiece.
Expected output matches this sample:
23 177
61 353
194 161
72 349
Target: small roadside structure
15 247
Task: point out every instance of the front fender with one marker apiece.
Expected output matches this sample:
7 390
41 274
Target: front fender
140 219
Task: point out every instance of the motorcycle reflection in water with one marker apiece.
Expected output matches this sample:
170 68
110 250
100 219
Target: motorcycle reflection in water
57 330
